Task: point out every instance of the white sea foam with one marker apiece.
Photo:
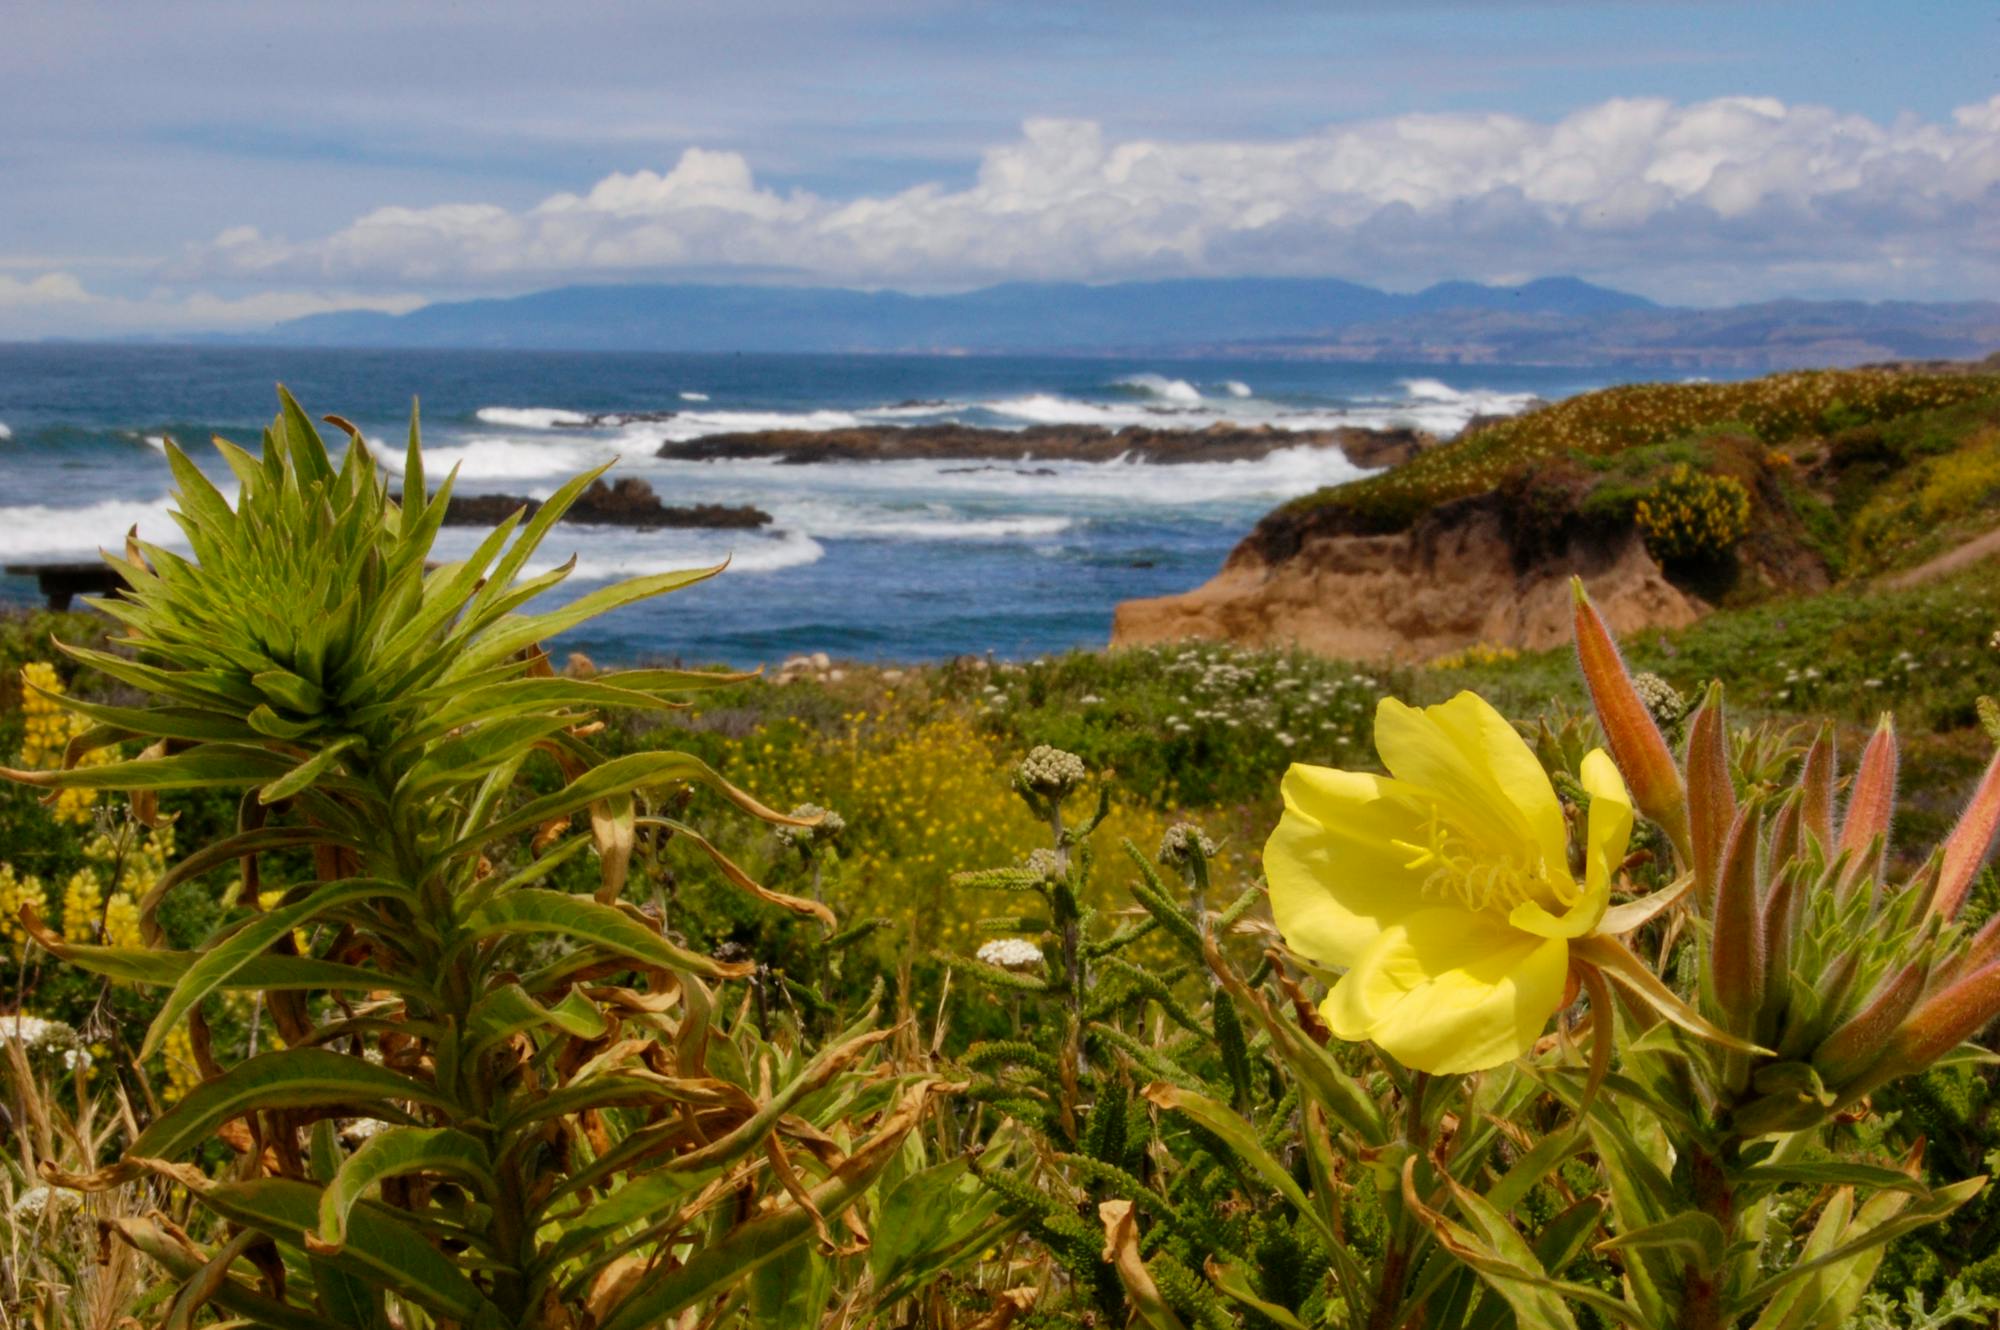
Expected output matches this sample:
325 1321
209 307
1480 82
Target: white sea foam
38 531
5 433
502 459
157 442
694 397
1236 388
603 556
531 417
1159 385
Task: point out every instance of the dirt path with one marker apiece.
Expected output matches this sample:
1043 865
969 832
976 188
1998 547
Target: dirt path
1964 556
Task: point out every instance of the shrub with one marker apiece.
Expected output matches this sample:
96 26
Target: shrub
1690 517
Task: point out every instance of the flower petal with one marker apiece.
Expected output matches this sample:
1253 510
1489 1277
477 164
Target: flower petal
1447 990
1492 743
1467 756
1336 879
1610 829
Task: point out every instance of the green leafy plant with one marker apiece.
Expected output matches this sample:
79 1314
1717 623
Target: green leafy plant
499 1101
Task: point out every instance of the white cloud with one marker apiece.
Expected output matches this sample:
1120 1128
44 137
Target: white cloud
53 288
27 306
1705 195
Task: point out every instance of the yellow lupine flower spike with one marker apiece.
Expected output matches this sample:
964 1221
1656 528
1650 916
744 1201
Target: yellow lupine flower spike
1444 888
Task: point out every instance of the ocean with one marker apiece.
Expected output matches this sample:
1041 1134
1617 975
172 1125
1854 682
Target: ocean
881 561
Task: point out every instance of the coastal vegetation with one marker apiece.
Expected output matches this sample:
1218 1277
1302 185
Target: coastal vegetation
366 971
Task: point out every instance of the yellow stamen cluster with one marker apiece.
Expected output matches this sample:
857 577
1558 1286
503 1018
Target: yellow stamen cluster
1473 877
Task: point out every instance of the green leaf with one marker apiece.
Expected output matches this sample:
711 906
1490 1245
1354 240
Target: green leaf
290 691
1696 1237
212 766
621 774
380 1247
582 920
1835 1173
307 773
148 1237
397 1152
1233 1282
507 637
163 969
213 967
282 1078
508 1009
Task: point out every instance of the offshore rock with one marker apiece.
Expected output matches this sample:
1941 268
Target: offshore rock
1221 442
1466 573
630 502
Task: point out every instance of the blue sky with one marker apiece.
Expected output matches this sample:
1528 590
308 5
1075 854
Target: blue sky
207 164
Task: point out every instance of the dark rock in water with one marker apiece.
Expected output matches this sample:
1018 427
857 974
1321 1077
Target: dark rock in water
601 418
630 502
1008 470
1221 442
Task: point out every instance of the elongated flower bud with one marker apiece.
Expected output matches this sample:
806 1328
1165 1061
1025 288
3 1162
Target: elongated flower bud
1942 1022
1969 843
1636 743
1871 803
1816 789
1711 799
1787 838
1737 946
1780 930
1860 1043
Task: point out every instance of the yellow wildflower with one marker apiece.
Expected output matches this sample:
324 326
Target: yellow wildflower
1443 889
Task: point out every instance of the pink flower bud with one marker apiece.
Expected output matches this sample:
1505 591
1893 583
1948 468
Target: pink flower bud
1942 1022
1737 946
1859 1043
1711 799
1816 789
1969 843
1871 803
1636 743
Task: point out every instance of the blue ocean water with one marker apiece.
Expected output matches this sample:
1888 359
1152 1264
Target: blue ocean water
902 561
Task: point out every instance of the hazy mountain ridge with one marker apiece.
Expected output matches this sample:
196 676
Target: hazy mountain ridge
1559 320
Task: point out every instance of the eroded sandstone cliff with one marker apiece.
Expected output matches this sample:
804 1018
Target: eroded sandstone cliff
1468 572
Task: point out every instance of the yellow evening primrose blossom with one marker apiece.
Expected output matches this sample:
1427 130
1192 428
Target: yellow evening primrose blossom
1444 888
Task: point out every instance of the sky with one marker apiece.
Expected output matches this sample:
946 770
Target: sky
225 164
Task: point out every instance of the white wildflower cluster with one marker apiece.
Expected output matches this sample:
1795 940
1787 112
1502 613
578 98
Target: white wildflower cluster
38 1201
1661 698
1011 953
1179 839
1047 770
824 832
1293 698
36 1035
1994 641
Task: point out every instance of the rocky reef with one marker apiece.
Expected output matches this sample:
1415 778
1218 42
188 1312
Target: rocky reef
629 502
1221 442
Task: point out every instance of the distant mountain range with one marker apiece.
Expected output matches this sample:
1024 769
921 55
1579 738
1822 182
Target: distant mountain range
1556 320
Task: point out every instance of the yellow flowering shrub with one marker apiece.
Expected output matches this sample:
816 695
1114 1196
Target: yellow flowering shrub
1479 653
82 904
17 890
47 732
183 1073
924 796
1930 503
1691 516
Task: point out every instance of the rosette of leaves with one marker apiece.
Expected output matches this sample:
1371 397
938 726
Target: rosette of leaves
557 1124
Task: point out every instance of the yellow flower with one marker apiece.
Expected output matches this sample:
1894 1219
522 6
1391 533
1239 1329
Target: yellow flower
1443 889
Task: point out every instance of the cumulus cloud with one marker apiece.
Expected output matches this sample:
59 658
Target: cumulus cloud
1707 196
52 288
